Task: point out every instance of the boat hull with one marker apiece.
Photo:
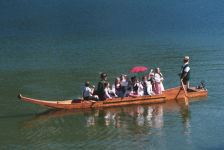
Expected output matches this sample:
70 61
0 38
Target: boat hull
70 104
174 93
178 93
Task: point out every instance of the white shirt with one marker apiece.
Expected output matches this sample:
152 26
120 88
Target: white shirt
124 80
87 91
149 86
107 91
158 77
140 87
147 82
113 88
186 69
124 84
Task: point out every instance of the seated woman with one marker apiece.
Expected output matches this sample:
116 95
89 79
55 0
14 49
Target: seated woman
144 83
116 88
143 86
128 89
87 92
128 86
124 83
147 86
135 88
108 93
151 80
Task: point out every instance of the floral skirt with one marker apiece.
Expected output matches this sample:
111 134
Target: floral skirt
158 89
132 94
111 95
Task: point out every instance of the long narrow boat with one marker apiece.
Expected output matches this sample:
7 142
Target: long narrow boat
174 93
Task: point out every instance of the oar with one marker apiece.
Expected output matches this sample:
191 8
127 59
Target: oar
185 97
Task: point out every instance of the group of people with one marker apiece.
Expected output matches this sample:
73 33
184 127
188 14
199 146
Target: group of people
123 87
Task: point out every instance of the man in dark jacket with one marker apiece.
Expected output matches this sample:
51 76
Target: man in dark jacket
185 74
101 86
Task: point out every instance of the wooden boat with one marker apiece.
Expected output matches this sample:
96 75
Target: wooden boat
178 93
174 93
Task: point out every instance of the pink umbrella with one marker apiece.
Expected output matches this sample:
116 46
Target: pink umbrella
138 69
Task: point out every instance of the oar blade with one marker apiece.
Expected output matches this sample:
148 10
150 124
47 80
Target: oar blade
185 96
186 100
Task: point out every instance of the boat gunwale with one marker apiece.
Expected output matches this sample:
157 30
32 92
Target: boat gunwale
173 93
114 100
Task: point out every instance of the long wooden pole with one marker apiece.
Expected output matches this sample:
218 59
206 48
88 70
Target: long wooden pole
185 97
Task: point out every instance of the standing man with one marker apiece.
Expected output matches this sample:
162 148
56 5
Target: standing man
185 74
101 86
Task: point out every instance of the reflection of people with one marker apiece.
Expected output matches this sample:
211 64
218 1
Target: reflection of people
158 80
101 86
185 74
87 92
159 117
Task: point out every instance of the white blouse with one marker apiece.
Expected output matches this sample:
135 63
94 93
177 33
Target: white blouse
113 88
158 77
107 91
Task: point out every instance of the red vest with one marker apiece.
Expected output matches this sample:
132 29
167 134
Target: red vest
118 88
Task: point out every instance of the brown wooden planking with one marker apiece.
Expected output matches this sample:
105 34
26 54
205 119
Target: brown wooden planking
125 99
174 93
178 93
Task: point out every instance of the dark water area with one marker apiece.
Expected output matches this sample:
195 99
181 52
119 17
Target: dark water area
32 18
49 49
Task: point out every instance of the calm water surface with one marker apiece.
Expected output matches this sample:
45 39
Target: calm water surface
49 49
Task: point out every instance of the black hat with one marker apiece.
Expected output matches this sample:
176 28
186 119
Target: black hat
103 75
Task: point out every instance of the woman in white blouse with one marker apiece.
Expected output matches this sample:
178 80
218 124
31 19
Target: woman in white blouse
117 88
109 93
158 82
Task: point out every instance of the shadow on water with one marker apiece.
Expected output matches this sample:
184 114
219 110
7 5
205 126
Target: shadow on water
53 113
125 117
49 111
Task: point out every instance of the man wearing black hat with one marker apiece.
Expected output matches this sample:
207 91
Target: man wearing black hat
101 86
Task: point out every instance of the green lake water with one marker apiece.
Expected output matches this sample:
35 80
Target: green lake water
47 53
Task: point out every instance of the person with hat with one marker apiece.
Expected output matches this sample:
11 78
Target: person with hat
101 86
185 74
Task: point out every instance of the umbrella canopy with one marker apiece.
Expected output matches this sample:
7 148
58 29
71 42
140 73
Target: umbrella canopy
138 69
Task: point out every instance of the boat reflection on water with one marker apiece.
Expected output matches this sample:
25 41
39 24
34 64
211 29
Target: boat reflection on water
137 118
